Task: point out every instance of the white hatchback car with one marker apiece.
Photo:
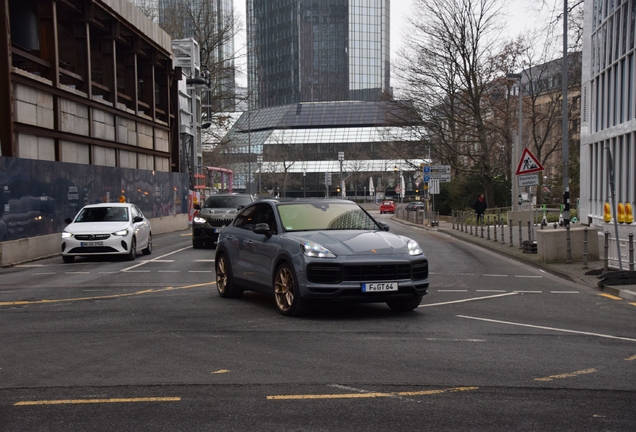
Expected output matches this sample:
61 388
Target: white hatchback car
106 229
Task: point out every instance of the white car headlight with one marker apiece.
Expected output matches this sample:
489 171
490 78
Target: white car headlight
122 233
315 250
414 248
198 219
66 234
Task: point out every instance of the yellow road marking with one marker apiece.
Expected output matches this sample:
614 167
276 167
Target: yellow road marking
137 293
632 358
222 371
567 375
370 395
93 401
609 296
633 304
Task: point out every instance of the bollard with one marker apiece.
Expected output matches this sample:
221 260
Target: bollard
453 218
482 226
568 259
503 232
476 226
585 248
529 231
494 231
510 225
631 251
471 229
520 236
606 252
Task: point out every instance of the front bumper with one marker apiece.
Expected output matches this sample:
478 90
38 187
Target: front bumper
113 245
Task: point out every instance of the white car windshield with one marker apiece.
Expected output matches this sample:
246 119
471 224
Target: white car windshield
103 214
324 216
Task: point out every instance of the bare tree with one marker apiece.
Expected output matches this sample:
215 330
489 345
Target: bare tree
447 70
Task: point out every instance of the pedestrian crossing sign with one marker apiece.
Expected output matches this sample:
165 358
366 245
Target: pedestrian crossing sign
528 163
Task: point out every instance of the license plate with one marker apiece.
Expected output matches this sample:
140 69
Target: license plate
379 286
92 244
217 230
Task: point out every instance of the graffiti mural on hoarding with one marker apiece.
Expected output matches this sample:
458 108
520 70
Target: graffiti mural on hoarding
36 196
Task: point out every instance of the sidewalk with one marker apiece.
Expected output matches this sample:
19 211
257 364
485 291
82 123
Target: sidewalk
573 272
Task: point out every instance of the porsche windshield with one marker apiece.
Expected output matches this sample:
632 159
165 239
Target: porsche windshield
324 216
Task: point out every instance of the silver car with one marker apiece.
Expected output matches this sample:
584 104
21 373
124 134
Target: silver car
318 250
106 229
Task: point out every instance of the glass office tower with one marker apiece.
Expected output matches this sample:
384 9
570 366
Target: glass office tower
317 51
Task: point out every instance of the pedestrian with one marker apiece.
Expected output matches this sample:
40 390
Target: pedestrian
480 207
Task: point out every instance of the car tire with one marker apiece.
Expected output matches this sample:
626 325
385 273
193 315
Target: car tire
197 243
148 249
224 280
68 258
132 254
405 305
286 292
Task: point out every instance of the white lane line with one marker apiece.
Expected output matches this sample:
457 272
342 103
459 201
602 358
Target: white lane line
529 292
199 271
434 273
157 259
77 272
468 300
492 291
452 290
30 265
138 271
113 272
529 277
465 274
204 260
565 292
548 328
494 275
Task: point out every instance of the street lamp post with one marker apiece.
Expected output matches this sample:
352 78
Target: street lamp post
259 160
304 184
516 146
341 159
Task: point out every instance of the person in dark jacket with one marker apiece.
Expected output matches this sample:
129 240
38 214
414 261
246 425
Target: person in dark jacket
480 207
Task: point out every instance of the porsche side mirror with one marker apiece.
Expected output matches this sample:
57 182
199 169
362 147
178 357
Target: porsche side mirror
384 225
263 228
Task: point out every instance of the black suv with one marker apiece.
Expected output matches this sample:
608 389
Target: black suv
415 205
217 211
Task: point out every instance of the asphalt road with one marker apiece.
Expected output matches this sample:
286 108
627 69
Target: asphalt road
110 345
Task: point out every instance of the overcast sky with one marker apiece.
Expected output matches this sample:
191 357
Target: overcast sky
522 15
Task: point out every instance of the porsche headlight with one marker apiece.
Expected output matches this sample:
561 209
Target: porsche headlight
66 234
414 248
316 251
199 220
121 233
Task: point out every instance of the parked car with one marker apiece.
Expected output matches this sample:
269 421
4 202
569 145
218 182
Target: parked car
218 211
415 205
106 229
387 207
318 250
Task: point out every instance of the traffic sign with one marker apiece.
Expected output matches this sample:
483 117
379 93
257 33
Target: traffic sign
528 180
427 169
528 163
433 186
440 169
427 178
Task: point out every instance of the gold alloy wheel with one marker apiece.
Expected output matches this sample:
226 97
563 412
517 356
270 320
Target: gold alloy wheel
221 275
284 289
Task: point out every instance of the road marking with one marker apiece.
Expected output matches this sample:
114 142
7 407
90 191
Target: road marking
529 292
465 300
77 272
199 271
609 296
94 401
137 271
567 375
204 260
111 272
157 259
221 371
494 275
137 293
565 292
549 328
370 394
160 261
169 271
30 265
491 291
529 277
632 358
633 304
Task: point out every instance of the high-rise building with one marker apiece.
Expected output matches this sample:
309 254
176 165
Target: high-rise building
317 51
